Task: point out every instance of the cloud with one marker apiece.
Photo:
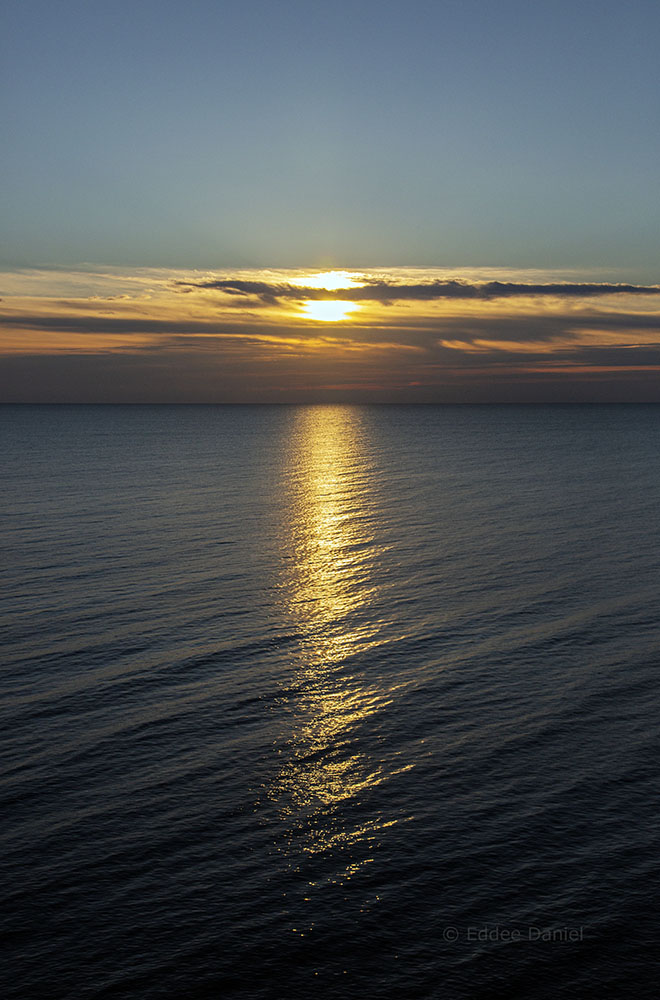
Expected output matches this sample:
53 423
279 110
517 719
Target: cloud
375 290
92 333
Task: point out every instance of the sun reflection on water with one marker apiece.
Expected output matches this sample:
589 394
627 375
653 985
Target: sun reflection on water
328 773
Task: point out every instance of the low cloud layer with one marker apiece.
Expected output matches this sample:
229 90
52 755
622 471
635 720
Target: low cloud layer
163 336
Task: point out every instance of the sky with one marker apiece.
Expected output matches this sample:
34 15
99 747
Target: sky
155 150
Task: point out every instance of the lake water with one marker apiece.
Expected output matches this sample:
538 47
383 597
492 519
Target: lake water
330 701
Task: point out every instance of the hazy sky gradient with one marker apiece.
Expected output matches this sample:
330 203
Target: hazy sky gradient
452 132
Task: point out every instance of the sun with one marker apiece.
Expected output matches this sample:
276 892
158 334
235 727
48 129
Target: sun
328 310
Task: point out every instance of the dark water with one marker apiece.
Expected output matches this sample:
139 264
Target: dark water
331 702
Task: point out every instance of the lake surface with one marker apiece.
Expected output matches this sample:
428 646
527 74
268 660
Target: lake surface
330 701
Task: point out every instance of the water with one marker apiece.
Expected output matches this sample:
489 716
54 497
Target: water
330 701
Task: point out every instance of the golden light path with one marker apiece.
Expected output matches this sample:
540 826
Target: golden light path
327 774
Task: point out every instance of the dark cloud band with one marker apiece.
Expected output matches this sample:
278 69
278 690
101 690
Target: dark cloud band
386 292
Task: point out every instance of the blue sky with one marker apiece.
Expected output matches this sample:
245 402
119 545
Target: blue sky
209 134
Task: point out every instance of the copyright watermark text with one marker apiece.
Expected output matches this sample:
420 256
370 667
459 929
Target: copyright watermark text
495 932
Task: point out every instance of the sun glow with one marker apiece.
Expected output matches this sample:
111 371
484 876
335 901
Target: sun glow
328 311
330 280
